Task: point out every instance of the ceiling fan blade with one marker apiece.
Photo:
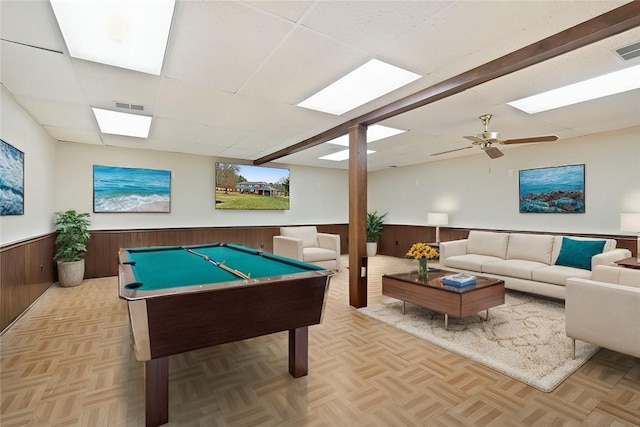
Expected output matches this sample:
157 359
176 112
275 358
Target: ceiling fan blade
493 152
451 151
547 138
475 139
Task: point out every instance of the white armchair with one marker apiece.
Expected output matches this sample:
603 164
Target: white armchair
306 244
605 310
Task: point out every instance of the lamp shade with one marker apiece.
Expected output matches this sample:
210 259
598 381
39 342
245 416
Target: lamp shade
437 218
630 222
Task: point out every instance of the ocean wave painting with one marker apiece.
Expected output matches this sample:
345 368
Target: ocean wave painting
11 180
557 189
118 189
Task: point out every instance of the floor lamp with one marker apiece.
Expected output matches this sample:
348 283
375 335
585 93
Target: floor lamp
437 219
631 222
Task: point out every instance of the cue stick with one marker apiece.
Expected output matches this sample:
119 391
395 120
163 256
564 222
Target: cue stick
219 264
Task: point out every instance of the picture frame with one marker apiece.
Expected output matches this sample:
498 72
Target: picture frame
131 190
556 189
11 180
248 187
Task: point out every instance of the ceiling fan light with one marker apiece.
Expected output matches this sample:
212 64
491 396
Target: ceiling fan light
491 136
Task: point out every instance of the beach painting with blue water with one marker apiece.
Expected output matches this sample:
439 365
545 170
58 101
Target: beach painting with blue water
558 189
118 189
11 180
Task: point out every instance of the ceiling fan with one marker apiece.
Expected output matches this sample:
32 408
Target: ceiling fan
486 140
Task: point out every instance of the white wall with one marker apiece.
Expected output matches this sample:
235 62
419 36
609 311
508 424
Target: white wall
479 192
318 196
20 130
476 191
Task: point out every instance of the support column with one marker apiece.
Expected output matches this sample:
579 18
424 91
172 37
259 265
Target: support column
357 216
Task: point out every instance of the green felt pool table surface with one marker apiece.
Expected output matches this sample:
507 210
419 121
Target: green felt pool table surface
156 268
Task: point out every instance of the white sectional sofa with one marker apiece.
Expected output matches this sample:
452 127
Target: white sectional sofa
534 263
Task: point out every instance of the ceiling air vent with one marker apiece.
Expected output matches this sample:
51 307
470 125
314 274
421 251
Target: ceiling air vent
129 106
629 52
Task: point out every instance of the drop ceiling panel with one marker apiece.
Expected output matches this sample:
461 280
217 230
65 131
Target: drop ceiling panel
103 85
42 31
220 137
289 10
295 122
302 64
74 135
370 26
221 44
38 73
60 114
186 102
176 131
126 142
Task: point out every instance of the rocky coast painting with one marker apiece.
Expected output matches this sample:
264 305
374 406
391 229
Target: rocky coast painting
11 180
558 189
118 189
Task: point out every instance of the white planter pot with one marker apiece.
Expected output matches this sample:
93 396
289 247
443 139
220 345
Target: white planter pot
71 273
372 249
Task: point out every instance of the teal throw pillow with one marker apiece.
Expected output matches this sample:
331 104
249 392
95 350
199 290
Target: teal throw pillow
578 253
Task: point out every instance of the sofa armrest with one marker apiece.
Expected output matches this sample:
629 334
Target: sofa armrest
604 314
452 248
288 247
609 257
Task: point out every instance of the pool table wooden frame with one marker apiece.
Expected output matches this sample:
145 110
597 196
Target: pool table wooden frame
184 319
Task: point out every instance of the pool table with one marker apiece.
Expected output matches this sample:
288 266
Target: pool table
183 298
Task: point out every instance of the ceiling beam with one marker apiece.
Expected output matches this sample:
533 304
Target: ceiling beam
614 22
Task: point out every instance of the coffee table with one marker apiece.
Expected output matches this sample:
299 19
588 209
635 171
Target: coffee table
429 292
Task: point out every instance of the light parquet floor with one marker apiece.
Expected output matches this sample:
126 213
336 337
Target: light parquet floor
68 362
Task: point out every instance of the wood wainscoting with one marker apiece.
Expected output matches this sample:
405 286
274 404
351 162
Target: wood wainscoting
28 269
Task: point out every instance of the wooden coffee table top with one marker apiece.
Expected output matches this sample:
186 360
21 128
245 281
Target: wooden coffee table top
433 280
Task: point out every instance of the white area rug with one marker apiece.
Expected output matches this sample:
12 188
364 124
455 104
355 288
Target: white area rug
524 338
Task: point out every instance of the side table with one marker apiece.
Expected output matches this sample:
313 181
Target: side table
631 262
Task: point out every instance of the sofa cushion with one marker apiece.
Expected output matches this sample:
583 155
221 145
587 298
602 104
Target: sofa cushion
630 277
308 235
487 243
609 245
531 247
616 275
318 254
471 262
519 268
558 274
578 253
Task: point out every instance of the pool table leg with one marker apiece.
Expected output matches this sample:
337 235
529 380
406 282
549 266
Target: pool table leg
299 351
156 372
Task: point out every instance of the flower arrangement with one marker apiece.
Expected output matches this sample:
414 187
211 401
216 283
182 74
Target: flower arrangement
422 250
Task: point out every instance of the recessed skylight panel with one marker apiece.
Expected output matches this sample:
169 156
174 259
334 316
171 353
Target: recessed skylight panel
374 133
598 87
364 84
339 156
121 33
125 124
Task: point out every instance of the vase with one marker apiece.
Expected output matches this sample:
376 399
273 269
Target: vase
422 267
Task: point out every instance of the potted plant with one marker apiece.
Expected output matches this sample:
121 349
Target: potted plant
71 243
374 230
